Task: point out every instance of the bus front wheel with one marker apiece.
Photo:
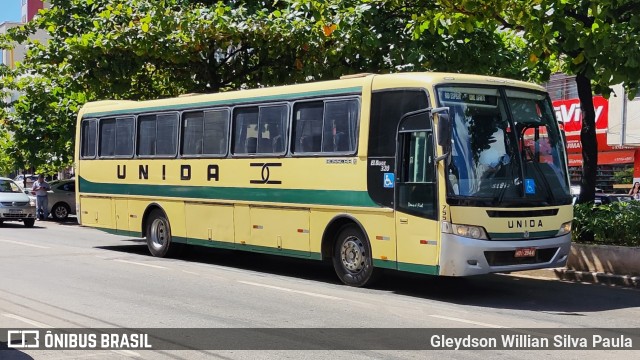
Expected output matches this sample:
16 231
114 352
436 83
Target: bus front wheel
159 235
352 257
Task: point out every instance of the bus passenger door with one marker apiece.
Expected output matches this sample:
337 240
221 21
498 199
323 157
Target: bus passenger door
416 196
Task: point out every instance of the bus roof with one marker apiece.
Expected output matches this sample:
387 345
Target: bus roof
347 84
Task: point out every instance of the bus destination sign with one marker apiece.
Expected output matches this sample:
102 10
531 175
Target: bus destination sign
469 98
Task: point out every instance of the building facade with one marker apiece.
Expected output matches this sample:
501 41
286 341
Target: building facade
616 153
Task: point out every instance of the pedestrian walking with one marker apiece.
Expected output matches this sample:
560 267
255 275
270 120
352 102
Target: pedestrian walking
40 188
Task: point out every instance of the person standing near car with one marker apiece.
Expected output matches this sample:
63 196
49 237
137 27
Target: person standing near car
40 188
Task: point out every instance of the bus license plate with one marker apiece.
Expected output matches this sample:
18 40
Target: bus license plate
525 252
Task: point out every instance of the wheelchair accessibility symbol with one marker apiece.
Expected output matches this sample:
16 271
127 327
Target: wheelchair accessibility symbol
529 186
389 180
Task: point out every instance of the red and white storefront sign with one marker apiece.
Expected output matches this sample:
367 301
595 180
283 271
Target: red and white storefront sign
569 112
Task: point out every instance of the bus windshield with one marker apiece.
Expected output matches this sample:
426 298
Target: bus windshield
507 149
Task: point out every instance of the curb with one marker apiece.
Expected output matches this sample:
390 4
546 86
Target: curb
583 276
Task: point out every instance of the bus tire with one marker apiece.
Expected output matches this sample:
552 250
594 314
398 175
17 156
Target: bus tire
159 240
352 259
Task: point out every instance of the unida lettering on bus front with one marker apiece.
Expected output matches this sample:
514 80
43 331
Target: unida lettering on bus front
525 224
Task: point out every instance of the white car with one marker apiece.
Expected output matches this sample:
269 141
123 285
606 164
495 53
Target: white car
15 205
62 199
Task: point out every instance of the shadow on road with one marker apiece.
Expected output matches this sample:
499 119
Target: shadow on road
7 353
494 291
71 220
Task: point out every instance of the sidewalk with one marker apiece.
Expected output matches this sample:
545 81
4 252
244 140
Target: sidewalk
582 276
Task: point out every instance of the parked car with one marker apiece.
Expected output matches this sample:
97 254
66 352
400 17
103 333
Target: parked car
603 199
62 199
30 180
575 192
15 204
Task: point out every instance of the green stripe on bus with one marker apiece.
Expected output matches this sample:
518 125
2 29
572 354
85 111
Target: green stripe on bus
224 245
420 269
256 249
135 234
228 102
519 235
385 264
293 196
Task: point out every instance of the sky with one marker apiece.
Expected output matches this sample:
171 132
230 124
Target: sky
10 10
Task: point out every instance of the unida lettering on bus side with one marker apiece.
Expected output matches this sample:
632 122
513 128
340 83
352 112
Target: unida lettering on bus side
212 174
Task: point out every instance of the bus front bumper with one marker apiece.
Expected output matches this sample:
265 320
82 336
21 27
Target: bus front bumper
462 256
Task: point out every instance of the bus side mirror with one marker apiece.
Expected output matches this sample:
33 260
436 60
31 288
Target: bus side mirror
444 136
444 131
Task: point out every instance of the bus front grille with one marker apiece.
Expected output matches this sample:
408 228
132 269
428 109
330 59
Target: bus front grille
521 213
505 258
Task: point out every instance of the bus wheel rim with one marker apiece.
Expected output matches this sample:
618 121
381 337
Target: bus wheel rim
158 233
352 254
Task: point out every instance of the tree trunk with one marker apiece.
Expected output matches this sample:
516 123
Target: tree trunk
589 147
588 139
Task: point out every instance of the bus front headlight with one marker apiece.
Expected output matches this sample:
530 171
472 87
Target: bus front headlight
564 229
468 231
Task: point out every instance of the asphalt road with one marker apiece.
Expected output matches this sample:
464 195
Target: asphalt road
66 276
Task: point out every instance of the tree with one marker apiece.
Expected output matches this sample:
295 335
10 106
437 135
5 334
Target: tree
598 41
143 49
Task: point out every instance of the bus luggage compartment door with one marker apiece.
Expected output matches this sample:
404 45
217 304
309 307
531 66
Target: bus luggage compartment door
280 230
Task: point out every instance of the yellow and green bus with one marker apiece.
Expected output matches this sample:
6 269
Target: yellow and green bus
433 173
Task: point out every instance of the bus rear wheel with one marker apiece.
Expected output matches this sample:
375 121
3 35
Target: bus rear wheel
352 259
159 240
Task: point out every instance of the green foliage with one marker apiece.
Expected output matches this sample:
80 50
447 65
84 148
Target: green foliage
598 39
623 176
7 164
617 223
144 49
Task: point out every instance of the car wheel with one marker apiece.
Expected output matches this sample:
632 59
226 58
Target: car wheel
352 257
28 223
159 240
60 211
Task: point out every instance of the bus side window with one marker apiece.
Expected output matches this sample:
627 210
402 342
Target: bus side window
147 135
89 138
272 122
265 145
245 130
340 124
251 145
307 126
